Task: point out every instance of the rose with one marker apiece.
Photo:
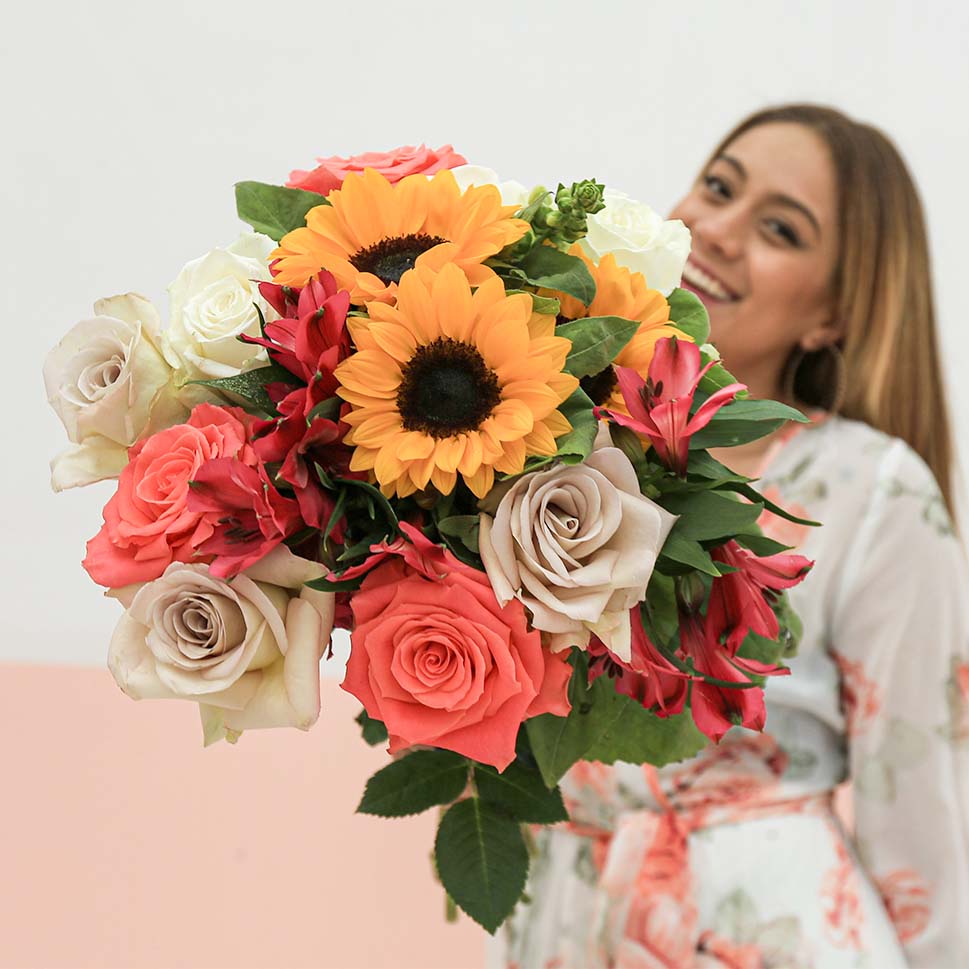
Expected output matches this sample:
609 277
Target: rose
512 193
441 663
640 240
393 165
247 651
213 301
147 523
110 386
577 545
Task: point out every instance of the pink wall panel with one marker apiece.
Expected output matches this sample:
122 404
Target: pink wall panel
124 843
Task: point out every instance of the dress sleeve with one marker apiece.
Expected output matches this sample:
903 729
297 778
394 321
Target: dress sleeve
900 635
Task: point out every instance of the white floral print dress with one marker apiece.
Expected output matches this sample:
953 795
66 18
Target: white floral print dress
736 858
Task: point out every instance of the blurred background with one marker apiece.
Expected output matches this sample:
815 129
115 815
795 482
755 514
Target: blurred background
124 843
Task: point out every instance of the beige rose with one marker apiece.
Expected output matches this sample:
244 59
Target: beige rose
577 545
247 651
110 385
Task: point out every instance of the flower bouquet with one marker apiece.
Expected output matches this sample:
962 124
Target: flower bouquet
469 423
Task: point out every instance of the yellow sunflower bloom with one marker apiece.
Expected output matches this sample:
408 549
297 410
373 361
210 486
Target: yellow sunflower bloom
451 382
372 232
620 292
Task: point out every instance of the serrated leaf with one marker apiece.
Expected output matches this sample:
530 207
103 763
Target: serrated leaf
373 731
709 515
274 209
689 314
520 793
251 385
549 268
414 783
596 341
598 726
481 860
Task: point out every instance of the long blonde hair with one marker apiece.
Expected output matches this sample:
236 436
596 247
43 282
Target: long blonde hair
882 288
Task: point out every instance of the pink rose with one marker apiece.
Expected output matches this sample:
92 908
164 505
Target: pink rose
148 524
393 165
442 664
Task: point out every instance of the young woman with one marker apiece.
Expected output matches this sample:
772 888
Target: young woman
810 253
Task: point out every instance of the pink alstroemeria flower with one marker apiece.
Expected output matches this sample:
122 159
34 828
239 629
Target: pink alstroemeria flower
253 517
659 407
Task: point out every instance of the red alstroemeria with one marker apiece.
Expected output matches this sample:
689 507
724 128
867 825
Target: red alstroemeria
253 516
296 440
311 338
659 407
648 678
718 707
745 596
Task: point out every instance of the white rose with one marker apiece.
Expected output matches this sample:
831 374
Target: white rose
576 545
247 651
639 240
512 193
213 301
110 386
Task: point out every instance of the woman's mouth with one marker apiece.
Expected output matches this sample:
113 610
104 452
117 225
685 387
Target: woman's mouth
705 285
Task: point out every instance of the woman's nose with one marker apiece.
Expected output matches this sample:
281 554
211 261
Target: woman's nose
720 231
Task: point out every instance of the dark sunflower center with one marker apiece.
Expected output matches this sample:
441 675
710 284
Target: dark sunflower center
599 386
389 259
446 389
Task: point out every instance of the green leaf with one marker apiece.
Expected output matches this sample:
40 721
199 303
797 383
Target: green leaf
702 465
328 409
717 377
743 421
596 340
324 584
687 551
606 725
761 545
748 492
251 385
520 793
274 209
482 861
576 445
414 783
377 497
550 268
689 314
374 732
709 515
462 527
547 305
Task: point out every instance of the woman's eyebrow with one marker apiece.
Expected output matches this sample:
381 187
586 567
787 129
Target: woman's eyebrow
777 198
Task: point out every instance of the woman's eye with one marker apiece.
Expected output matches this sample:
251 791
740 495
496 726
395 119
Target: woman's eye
717 185
783 230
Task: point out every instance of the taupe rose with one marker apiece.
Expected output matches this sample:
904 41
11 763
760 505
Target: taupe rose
247 651
577 545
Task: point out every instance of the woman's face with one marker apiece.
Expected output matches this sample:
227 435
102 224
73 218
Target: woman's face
764 224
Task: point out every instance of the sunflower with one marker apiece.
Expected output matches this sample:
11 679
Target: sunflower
620 292
452 382
372 232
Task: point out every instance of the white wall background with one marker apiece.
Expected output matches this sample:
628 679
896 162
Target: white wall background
125 125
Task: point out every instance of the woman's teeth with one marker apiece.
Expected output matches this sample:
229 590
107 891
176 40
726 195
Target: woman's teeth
705 282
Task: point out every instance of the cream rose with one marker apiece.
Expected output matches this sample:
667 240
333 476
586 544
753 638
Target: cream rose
213 301
247 651
512 193
109 384
577 545
639 240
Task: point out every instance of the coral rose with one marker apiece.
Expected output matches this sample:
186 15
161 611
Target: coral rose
393 165
148 524
441 663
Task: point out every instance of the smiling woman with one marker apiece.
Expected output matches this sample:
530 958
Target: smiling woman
809 252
